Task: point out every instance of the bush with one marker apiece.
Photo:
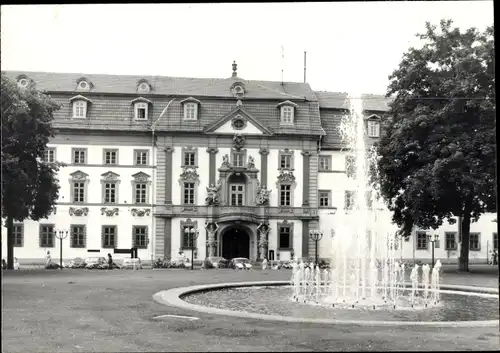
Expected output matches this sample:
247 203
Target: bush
165 263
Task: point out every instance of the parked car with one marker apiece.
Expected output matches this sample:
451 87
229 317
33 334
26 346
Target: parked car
96 262
77 262
218 261
240 263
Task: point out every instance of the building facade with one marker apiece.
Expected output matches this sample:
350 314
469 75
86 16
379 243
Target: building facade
217 167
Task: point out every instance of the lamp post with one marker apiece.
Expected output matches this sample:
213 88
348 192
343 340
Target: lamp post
433 238
61 234
316 235
193 235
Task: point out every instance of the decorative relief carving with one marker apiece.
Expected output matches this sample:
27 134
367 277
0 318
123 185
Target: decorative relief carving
286 210
188 208
140 177
264 150
238 141
306 153
79 175
262 194
110 212
140 212
189 173
212 150
189 223
286 176
169 149
110 176
82 211
238 123
212 198
225 162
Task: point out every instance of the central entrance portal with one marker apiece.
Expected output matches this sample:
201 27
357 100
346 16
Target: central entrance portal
235 243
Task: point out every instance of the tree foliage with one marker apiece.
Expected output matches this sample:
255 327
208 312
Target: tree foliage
438 149
29 186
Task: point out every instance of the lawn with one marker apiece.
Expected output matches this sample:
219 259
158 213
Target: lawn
113 311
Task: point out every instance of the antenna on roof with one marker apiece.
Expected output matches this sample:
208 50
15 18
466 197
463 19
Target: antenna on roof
305 57
282 62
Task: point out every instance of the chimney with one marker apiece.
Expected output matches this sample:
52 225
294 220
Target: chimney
234 69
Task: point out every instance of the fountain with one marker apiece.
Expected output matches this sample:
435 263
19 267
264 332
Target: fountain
363 267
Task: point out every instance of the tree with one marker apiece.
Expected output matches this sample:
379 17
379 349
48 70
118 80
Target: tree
437 153
29 185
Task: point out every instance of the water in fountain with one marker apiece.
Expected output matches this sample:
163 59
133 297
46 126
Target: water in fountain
363 269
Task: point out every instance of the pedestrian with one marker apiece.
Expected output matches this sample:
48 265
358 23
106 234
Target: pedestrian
4 264
16 264
495 257
111 264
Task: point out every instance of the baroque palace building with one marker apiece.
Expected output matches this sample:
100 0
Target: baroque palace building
250 166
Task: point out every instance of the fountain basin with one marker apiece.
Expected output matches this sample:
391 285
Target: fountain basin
273 302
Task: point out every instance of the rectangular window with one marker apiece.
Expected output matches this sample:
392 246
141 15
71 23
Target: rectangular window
189 158
141 157
141 111
189 193
140 237
285 161
422 241
79 109
325 163
190 111
187 238
238 159
140 193
285 238
350 166
495 241
474 241
47 236
77 236
349 199
450 239
78 192
109 237
49 155
285 195
287 115
237 194
110 193
18 234
79 155
324 198
373 128
110 157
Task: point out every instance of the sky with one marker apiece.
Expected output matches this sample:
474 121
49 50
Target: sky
350 45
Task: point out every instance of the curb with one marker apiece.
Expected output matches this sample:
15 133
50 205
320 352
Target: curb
173 297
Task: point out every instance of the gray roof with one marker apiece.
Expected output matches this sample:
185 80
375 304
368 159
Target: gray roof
162 85
339 100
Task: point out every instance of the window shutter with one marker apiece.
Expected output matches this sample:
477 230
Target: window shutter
102 236
134 236
147 236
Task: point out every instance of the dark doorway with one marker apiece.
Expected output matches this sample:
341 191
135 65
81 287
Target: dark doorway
235 243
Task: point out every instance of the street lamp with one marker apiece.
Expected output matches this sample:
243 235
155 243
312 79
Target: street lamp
61 234
316 235
193 235
433 238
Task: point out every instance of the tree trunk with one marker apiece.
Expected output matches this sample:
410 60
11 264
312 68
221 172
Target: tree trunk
10 243
463 263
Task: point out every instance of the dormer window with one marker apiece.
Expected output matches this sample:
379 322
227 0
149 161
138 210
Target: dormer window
83 84
23 81
373 126
287 110
238 89
143 86
80 106
141 107
190 108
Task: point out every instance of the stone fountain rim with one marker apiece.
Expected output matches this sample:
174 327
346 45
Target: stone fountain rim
173 297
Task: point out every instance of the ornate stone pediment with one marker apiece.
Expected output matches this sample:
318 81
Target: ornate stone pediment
78 211
110 176
79 175
140 212
189 223
141 177
110 212
238 141
189 173
286 176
